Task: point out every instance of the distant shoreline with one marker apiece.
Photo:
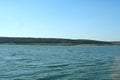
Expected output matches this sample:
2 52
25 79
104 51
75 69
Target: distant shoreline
54 42
58 44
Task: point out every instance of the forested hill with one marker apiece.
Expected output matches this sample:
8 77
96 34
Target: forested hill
50 41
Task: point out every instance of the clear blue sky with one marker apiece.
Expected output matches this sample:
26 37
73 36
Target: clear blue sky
75 19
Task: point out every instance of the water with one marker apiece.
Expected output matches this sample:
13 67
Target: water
25 62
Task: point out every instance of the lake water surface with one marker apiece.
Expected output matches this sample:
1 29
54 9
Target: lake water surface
34 62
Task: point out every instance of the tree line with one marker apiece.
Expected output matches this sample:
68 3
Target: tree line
22 40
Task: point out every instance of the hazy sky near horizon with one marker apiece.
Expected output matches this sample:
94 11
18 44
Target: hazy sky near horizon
75 19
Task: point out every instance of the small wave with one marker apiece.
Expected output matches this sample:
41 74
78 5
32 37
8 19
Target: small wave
57 65
52 77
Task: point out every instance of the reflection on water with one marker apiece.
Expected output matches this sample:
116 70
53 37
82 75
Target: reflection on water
24 62
116 68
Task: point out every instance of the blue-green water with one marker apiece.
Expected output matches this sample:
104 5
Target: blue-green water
33 62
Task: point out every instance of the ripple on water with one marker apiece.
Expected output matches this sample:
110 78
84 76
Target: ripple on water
58 63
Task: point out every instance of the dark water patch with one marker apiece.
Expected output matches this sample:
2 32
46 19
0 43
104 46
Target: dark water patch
53 77
18 79
57 65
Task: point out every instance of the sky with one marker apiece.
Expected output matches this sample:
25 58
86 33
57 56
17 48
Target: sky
74 19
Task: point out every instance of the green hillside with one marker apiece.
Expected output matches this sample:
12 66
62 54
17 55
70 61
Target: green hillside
50 41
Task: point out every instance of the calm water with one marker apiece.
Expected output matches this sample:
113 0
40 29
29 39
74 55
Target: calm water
24 62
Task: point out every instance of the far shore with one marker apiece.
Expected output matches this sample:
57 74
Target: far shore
55 42
44 44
